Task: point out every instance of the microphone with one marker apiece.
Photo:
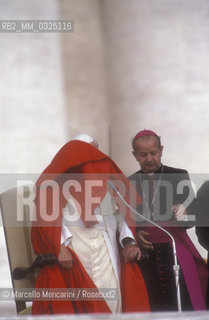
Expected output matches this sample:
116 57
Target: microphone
176 267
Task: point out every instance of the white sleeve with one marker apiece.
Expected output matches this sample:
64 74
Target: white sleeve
122 227
66 235
124 231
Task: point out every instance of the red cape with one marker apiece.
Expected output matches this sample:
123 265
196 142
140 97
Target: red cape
83 158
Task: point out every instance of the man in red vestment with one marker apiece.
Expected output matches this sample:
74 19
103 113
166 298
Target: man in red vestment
53 190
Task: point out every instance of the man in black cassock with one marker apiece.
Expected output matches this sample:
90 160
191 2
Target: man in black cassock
168 200
202 228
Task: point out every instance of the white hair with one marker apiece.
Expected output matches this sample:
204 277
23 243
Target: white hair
84 137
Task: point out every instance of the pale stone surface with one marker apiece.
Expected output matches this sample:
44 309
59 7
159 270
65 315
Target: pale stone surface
127 316
158 79
32 99
83 58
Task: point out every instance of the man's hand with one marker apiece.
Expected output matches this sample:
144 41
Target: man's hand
143 243
65 258
130 252
179 212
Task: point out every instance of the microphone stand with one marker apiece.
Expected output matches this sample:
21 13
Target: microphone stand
176 267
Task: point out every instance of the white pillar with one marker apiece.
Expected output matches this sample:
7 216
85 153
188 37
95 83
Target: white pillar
84 51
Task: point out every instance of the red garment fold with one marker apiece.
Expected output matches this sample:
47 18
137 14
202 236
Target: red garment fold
82 158
55 277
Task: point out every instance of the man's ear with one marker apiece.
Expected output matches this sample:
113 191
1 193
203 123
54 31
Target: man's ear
161 150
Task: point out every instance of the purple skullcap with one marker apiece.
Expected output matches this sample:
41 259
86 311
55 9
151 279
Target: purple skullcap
145 133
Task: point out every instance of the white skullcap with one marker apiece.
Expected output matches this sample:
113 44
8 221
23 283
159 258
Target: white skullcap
84 137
